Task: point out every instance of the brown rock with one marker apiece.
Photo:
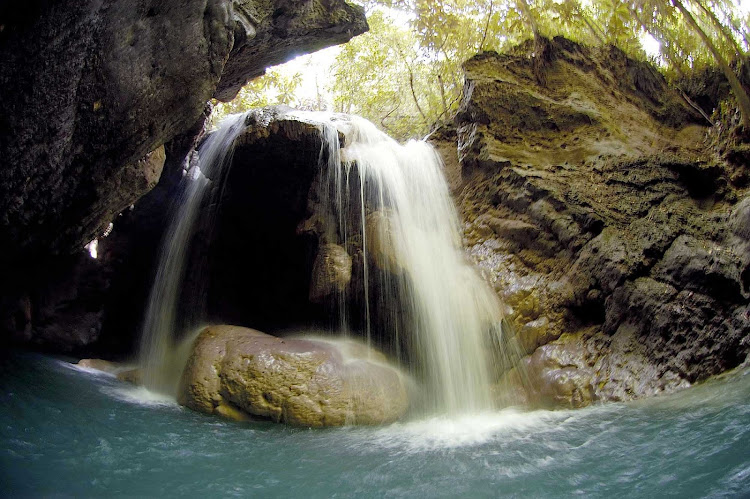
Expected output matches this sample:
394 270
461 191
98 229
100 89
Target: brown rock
331 272
296 381
593 206
132 376
381 245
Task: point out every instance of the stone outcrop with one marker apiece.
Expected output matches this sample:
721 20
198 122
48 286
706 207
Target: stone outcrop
238 372
92 90
331 273
605 221
97 93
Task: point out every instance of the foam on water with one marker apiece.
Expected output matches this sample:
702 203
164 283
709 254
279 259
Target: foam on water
475 430
139 395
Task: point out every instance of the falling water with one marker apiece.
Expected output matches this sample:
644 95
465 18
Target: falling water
392 202
410 242
158 341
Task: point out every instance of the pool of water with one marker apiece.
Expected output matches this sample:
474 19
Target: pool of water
70 433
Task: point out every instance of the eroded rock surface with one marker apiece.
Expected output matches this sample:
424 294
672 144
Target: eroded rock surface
90 88
96 94
605 222
234 371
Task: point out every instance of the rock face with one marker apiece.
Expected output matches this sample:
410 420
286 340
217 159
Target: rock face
255 238
57 307
234 371
331 272
619 243
90 88
95 92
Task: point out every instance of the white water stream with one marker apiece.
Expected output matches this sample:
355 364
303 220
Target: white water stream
160 356
409 236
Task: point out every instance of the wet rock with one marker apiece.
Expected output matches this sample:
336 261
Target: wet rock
381 245
100 365
296 381
444 141
535 333
132 376
739 219
556 375
331 272
90 88
591 205
689 333
702 266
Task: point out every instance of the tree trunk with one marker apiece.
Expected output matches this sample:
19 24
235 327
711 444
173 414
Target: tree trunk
720 27
593 31
525 9
541 44
743 100
487 26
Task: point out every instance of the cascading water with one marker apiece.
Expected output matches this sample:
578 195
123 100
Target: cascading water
411 245
159 354
389 206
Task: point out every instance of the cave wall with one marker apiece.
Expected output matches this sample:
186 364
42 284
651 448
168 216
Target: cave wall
259 262
95 91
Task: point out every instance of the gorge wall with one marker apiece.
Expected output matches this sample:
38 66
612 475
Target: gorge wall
93 94
607 220
608 215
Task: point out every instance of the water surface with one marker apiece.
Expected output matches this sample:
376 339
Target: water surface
70 433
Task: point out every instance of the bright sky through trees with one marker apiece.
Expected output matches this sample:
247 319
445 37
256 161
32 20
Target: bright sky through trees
405 74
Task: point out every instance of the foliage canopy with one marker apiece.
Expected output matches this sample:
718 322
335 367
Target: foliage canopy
405 74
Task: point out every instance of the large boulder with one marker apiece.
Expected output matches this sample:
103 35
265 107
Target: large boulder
236 371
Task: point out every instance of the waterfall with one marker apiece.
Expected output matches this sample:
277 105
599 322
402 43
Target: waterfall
389 208
411 245
158 351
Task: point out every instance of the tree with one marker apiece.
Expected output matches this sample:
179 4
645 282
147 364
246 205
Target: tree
382 76
405 74
272 88
692 32
743 100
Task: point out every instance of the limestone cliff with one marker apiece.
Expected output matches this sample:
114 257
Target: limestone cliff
602 214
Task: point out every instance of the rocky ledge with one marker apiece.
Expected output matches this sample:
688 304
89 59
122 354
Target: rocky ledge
92 90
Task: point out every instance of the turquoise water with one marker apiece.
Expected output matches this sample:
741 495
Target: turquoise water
70 433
